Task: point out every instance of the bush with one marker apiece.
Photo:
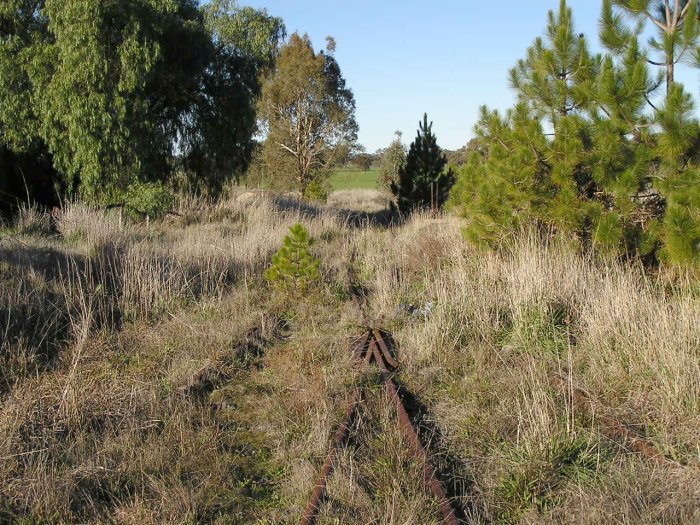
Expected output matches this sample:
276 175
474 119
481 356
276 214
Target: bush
293 266
150 199
319 189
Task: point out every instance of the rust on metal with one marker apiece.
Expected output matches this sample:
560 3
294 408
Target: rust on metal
370 352
393 363
430 475
374 345
341 434
361 344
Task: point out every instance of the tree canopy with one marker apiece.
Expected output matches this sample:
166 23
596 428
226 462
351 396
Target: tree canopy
675 23
585 152
307 114
118 92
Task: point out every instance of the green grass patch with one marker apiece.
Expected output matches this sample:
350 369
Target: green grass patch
353 179
538 478
539 330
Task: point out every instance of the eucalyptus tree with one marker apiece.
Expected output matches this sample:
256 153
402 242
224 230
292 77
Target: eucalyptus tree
307 114
26 166
122 92
218 131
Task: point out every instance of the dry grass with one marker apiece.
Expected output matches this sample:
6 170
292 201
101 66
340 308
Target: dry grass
114 336
502 325
361 200
166 383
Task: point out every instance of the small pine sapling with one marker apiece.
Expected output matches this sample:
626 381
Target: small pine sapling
294 267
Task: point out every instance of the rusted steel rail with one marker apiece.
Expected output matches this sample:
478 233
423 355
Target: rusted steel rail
340 436
430 475
374 345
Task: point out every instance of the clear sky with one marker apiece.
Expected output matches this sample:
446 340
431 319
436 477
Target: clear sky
443 57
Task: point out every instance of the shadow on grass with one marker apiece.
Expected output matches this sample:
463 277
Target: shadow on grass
454 472
383 218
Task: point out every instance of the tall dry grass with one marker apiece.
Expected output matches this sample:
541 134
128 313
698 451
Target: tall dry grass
150 376
113 336
503 324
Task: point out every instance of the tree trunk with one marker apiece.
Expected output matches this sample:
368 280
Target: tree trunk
669 75
301 181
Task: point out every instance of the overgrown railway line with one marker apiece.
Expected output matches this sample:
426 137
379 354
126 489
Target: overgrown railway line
376 346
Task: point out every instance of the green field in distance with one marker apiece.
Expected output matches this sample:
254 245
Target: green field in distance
350 179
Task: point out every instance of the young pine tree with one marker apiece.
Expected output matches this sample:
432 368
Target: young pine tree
294 268
678 175
555 78
575 155
504 187
554 74
667 152
626 208
535 167
423 182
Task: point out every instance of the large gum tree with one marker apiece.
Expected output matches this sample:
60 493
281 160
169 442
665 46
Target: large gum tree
120 92
307 114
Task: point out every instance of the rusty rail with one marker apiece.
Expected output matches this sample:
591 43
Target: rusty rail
342 433
430 475
374 345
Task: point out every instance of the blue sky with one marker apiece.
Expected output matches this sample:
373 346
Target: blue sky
443 57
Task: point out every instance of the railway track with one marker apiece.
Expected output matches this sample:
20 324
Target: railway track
376 347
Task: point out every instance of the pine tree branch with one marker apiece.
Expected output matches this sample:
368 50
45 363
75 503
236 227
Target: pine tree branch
656 63
677 12
646 97
505 146
659 24
682 52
